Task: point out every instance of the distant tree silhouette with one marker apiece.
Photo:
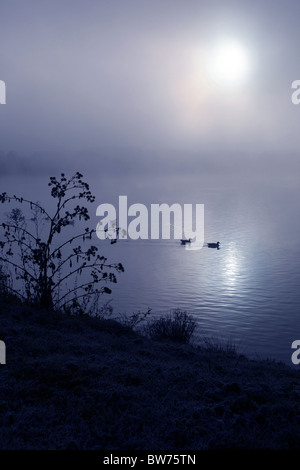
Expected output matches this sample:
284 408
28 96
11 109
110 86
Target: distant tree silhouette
45 264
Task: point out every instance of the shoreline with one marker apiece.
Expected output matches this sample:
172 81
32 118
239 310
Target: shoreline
86 383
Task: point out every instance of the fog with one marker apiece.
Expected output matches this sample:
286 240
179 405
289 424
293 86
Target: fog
121 87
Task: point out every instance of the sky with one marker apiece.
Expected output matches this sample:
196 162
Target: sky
125 84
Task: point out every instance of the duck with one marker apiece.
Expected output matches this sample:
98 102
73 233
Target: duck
184 242
213 245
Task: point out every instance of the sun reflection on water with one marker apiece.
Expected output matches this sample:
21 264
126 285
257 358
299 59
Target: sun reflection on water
232 266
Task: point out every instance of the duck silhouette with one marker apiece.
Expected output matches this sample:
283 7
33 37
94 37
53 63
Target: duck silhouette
213 245
184 242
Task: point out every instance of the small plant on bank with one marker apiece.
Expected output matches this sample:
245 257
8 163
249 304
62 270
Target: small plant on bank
53 271
177 326
135 319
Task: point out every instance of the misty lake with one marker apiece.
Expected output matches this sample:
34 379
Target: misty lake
248 292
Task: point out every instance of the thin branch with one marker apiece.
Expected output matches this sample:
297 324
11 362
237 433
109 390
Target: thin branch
71 241
82 286
21 200
18 267
83 254
4 225
71 198
20 242
102 265
79 297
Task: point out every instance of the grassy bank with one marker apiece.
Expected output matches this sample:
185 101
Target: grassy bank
79 382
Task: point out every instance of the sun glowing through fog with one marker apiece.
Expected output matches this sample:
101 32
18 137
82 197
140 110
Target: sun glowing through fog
228 63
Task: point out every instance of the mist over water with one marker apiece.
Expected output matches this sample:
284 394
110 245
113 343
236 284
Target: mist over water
246 292
192 104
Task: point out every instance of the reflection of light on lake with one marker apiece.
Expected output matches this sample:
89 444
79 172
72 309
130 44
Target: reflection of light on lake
231 266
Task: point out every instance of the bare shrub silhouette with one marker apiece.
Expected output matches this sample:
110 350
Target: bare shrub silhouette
42 262
178 327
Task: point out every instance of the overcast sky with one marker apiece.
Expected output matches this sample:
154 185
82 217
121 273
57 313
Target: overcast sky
130 76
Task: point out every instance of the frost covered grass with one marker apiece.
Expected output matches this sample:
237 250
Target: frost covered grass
87 383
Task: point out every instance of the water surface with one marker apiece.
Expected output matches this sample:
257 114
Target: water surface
246 292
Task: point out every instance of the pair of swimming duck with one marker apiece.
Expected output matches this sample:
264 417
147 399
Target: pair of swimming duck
209 245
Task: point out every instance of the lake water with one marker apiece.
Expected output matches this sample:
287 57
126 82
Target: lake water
247 292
